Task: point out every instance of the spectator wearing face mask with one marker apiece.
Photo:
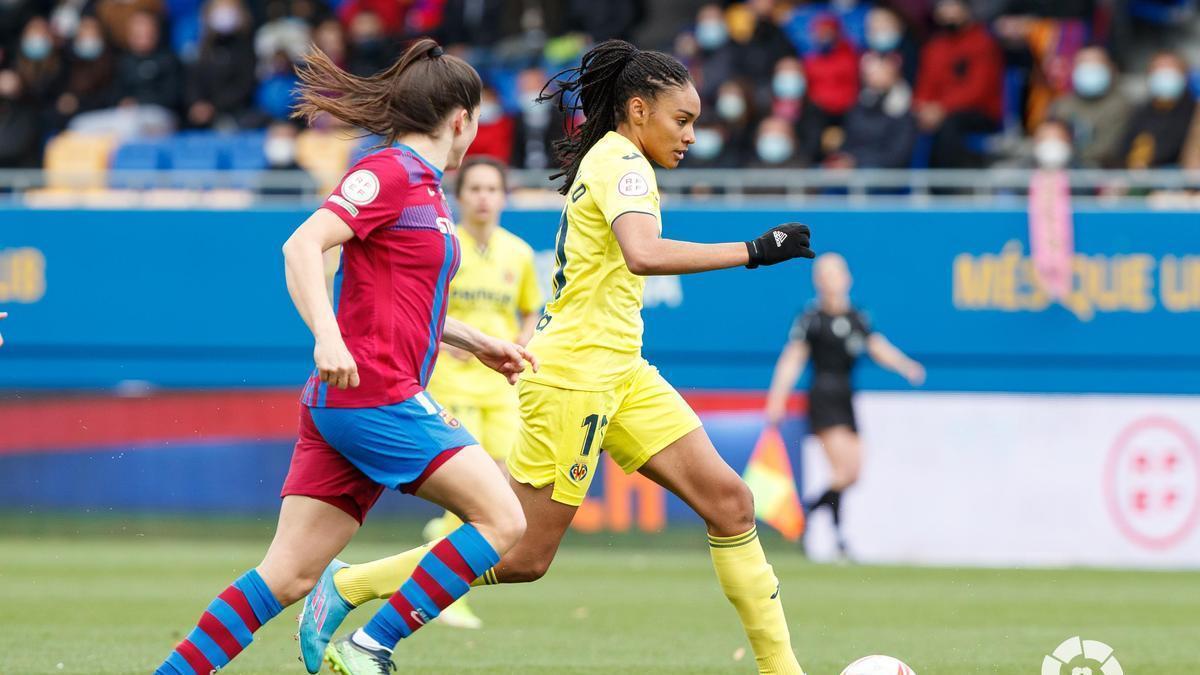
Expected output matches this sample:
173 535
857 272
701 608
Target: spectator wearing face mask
220 85
775 146
887 35
38 62
1096 109
736 112
959 85
717 56
20 125
1052 146
90 72
710 151
832 69
537 125
148 74
1158 129
880 129
788 101
788 88
496 129
279 148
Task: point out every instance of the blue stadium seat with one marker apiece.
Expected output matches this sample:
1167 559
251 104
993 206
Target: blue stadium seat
137 156
194 154
247 156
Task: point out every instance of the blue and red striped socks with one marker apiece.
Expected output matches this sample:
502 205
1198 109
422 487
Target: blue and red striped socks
225 629
443 576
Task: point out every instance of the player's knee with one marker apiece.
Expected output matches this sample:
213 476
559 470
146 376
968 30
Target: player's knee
528 569
732 509
294 587
844 476
504 526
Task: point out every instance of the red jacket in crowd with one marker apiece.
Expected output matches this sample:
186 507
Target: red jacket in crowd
963 71
495 139
833 78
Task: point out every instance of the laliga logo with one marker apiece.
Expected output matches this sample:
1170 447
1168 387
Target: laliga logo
1076 656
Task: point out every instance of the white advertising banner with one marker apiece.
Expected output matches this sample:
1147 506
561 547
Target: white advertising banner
984 479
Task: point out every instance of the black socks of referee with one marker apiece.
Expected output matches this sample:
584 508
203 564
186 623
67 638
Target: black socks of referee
833 499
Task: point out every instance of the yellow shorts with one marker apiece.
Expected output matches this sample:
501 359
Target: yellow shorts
563 430
494 426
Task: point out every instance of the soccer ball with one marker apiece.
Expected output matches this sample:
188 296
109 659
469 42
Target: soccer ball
878 665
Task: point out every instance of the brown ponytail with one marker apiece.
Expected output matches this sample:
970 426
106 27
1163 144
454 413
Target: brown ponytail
413 95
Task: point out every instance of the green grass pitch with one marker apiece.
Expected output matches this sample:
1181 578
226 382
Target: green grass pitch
116 602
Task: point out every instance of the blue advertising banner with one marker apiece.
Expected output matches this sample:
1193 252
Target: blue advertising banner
197 299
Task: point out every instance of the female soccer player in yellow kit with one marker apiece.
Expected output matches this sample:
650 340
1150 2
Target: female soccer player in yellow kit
496 291
594 389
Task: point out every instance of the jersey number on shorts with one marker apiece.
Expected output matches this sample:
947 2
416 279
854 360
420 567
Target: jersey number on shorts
593 423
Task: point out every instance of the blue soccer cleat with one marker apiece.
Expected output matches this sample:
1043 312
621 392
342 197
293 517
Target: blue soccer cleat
324 610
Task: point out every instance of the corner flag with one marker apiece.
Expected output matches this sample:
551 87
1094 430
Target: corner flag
769 475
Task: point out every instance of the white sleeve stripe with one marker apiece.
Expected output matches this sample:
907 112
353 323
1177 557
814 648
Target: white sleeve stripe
345 204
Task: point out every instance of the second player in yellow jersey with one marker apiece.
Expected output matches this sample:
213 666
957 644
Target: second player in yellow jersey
593 385
496 290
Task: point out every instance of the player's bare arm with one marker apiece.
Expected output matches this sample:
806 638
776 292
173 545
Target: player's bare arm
304 265
507 358
648 254
787 371
889 356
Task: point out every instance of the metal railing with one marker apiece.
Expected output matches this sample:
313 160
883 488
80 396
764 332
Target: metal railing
1177 189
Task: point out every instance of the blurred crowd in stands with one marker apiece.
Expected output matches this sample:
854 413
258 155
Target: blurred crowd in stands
839 84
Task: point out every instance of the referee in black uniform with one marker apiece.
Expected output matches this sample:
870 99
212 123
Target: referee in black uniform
832 333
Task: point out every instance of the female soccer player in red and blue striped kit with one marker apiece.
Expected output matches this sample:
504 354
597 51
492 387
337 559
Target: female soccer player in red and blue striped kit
366 422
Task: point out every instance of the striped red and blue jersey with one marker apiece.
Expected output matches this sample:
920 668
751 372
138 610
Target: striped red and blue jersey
391 286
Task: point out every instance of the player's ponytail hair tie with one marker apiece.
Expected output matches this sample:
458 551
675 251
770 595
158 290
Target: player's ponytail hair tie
436 51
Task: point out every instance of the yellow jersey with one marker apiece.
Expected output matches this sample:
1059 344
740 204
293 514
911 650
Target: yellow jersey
590 337
493 285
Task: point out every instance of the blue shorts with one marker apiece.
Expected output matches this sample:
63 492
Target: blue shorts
395 445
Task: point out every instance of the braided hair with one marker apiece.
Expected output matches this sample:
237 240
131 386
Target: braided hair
610 74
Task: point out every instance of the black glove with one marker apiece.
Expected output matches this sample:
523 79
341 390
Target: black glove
782 242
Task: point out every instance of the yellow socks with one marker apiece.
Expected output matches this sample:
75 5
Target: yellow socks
751 586
378 578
